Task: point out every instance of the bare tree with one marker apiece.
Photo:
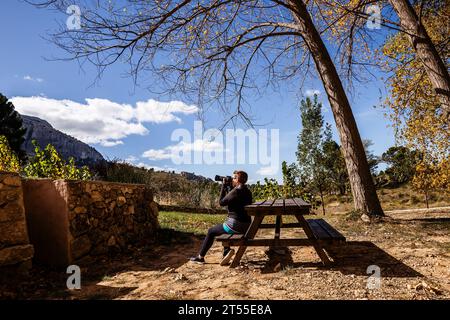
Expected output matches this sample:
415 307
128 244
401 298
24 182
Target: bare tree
219 52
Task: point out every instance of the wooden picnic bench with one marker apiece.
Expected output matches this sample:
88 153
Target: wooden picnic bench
319 233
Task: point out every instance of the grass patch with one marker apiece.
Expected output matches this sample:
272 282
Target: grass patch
189 222
354 215
200 223
106 278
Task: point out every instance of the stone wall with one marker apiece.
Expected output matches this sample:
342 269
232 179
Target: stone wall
87 218
15 249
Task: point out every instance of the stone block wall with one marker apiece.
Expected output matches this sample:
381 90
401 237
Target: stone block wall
73 220
15 250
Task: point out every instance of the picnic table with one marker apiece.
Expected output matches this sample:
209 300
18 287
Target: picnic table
318 232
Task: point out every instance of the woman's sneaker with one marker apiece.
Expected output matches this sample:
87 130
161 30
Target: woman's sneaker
197 260
226 258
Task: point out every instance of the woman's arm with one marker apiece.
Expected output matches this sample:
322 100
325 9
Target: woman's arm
226 199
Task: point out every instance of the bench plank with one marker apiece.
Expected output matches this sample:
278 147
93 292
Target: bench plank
290 202
332 231
267 203
301 203
277 207
256 204
223 237
278 203
283 225
318 231
276 242
323 231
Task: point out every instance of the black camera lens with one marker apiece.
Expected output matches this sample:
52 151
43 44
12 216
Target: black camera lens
227 179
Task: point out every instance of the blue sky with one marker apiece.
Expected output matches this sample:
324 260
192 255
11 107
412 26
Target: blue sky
116 117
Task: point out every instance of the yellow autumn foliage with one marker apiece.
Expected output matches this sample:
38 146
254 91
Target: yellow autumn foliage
8 159
429 176
415 109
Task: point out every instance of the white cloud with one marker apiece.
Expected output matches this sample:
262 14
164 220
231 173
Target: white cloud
312 92
131 159
159 154
30 78
183 147
134 161
156 111
101 121
109 143
267 171
156 168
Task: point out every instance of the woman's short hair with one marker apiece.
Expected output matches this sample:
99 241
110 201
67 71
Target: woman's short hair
242 176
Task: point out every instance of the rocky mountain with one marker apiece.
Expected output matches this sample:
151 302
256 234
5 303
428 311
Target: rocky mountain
41 131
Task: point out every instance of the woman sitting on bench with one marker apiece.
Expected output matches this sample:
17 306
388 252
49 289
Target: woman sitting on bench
237 220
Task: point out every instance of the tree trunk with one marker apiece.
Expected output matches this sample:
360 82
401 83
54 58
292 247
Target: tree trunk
323 203
342 190
426 51
364 194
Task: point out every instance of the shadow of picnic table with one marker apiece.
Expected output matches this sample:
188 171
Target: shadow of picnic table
356 256
353 257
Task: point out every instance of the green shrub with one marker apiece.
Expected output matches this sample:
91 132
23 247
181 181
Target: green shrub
122 172
433 197
414 200
354 215
400 195
48 163
404 200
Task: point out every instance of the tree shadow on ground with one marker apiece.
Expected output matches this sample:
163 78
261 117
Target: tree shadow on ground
170 249
93 292
420 220
431 220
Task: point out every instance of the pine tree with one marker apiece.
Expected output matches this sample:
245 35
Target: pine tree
11 127
310 155
335 164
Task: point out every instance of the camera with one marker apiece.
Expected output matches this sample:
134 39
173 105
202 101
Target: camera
228 179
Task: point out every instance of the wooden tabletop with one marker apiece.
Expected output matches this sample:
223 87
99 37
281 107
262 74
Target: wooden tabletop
291 206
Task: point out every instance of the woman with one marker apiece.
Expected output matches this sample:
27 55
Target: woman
237 220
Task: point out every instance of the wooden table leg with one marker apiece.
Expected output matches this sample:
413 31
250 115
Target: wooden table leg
320 251
277 234
277 227
251 232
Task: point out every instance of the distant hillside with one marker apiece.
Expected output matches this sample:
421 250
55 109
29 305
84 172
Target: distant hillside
193 177
41 131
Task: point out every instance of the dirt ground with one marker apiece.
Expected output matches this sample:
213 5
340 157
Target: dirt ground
412 252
